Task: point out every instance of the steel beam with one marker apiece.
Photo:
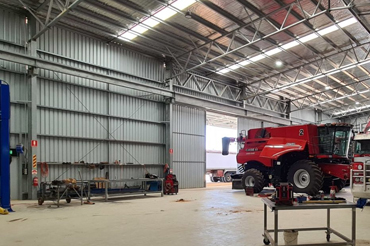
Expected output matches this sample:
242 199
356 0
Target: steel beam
78 72
56 19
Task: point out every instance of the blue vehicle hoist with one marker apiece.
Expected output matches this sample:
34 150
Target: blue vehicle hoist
4 147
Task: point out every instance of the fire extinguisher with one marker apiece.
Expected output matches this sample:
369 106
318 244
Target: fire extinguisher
35 181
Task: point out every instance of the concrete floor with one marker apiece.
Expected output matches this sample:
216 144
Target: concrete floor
216 215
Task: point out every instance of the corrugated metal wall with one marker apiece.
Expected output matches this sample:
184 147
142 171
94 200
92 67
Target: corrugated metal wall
81 119
189 146
13 32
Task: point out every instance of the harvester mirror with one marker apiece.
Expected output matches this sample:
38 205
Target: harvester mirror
225 145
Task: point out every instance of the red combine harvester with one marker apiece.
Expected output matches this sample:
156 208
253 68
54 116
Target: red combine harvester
309 156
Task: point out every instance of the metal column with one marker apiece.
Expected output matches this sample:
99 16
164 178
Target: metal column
32 122
4 147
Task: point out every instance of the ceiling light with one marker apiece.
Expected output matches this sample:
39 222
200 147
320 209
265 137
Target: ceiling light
244 63
357 103
257 58
308 38
290 45
347 22
327 87
328 30
188 15
273 51
278 63
162 14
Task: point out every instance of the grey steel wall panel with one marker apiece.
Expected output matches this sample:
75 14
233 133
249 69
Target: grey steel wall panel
136 153
135 108
53 149
189 146
136 131
76 46
14 28
268 124
247 124
190 175
307 115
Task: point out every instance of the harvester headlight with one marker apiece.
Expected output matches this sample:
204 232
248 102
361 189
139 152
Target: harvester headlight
362 179
359 167
357 179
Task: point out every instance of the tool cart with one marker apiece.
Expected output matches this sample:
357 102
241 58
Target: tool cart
62 189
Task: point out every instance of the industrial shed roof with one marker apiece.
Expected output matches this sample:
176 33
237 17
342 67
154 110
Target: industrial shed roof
312 53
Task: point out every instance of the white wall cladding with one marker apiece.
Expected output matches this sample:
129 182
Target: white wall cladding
189 154
78 47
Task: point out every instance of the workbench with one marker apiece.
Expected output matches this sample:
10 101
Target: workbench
108 192
309 206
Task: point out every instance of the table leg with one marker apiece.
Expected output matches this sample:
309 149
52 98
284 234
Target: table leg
353 226
162 187
328 225
276 228
106 191
264 219
58 198
88 190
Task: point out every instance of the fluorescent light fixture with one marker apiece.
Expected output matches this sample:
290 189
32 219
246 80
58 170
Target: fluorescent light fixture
257 58
357 103
327 87
235 66
139 28
364 62
225 70
294 43
181 4
244 63
162 14
290 45
128 35
150 22
347 22
273 51
328 30
308 38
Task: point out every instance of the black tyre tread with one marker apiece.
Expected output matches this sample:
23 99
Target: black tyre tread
317 176
259 180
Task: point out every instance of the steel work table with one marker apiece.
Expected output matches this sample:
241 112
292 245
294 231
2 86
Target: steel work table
123 192
276 208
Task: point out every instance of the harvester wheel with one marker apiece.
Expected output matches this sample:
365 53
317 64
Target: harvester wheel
227 177
253 178
306 177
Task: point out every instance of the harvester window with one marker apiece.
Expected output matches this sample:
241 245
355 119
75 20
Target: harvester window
262 133
333 140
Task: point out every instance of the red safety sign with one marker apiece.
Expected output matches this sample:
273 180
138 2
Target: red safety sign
34 143
171 151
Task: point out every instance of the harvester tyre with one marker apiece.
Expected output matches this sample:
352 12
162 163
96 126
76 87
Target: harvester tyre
253 178
306 177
